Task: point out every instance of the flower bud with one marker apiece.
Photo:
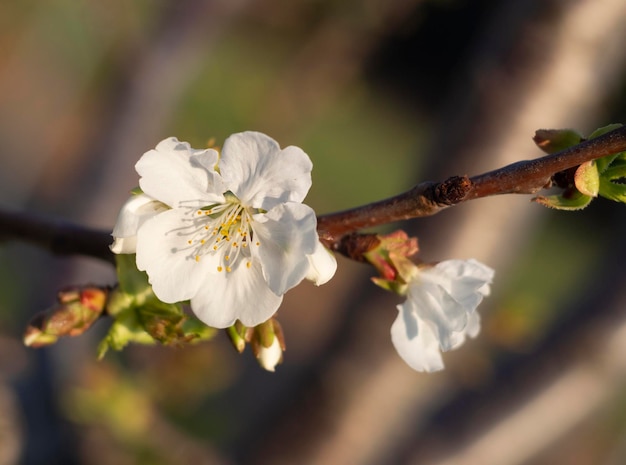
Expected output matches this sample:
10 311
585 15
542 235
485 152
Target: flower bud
76 311
391 257
555 140
268 344
237 335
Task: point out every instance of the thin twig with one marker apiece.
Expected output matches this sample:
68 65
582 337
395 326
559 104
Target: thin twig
59 237
428 198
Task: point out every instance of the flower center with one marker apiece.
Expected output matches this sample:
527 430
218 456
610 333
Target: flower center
222 231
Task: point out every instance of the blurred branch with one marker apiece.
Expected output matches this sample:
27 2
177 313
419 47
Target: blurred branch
429 198
57 236
425 199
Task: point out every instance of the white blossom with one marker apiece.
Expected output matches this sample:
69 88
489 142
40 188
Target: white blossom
440 311
271 356
228 231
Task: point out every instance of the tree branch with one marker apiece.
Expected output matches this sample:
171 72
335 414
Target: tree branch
57 236
428 198
425 199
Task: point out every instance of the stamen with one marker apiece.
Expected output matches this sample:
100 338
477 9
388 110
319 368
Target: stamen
227 223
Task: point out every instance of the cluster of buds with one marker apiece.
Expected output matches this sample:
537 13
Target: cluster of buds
76 310
267 341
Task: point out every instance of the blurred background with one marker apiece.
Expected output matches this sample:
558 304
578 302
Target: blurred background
381 95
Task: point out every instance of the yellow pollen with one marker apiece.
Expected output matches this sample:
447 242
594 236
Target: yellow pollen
189 242
214 247
234 244
197 258
206 227
202 241
248 265
258 243
227 257
228 270
219 268
199 212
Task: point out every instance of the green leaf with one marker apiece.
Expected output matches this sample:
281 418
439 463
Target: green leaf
142 318
126 328
132 281
604 162
612 191
604 129
571 200
616 171
587 179
555 140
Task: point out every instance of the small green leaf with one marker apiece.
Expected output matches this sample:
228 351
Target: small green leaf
131 280
142 318
587 179
612 191
555 140
574 200
616 171
197 331
604 129
126 329
604 162
392 286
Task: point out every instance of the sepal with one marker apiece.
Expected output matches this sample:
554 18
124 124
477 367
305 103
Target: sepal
572 200
555 140
140 317
391 257
266 340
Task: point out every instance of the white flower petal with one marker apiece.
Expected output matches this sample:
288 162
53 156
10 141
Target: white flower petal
440 311
468 276
241 295
415 342
473 324
270 356
322 265
436 306
180 176
262 175
287 235
165 255
137 209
